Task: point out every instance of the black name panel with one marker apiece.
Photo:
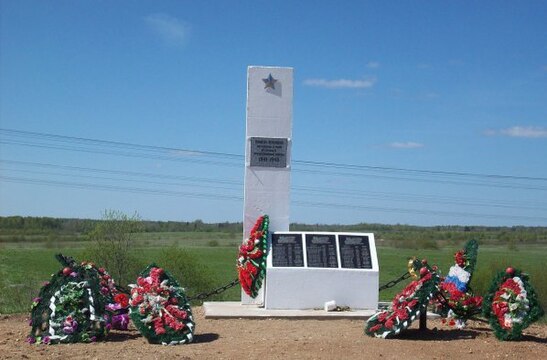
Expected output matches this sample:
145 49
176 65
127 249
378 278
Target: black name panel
355 252
287 250
321 250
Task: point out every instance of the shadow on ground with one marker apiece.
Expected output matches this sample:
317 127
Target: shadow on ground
205 338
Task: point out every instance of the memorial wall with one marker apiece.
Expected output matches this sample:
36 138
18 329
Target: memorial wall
307 269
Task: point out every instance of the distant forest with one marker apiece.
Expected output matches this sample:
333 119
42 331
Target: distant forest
18 228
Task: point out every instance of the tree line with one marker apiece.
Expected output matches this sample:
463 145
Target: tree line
28 226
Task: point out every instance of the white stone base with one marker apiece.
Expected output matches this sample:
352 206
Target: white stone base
310 288
234 309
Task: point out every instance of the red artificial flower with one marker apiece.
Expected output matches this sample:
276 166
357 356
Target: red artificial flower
409 290
389 323
454 293
137 300
375 328
459 257
251 269
176 312
158 327
401 314
475 301
511 286
256 254
246 248
383 315
245 280
412 303
122 299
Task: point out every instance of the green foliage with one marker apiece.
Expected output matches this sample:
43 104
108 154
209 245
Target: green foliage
112 245
24 229
471 249
23 269
194 275
212 243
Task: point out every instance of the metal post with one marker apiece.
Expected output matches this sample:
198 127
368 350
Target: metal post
423 319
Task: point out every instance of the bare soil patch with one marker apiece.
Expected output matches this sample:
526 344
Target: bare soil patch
285 339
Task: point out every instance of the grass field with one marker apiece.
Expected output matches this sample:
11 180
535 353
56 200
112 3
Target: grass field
24 266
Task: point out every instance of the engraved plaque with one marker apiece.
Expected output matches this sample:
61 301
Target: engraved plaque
321 250
269 152
287 250
355 252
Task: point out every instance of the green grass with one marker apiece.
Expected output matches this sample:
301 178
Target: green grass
155 239
24 268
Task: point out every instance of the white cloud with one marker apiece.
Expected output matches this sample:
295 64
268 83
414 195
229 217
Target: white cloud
406 145
373 64
341 83
169 28
521 131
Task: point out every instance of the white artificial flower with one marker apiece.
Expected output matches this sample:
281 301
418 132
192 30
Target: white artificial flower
461 274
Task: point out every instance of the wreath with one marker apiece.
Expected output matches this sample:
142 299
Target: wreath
511 304
115 297
70 307
456 298
407 305
251 261
159 308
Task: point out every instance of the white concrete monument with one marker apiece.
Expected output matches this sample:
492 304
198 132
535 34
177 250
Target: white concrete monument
304 270
307 270
267 151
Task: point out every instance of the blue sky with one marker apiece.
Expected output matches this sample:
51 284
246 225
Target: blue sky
454 90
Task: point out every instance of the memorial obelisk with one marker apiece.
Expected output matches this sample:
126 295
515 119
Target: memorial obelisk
267 151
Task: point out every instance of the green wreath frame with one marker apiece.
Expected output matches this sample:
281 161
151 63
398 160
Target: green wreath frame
251 260
389 323
70 307
534 308
176 302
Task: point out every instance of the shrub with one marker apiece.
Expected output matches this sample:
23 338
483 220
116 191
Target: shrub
112 246
194 276
212 243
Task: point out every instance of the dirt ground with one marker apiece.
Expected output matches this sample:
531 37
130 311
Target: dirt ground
285 339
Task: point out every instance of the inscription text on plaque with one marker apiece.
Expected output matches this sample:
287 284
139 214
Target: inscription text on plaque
269 152
321 250
287 250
